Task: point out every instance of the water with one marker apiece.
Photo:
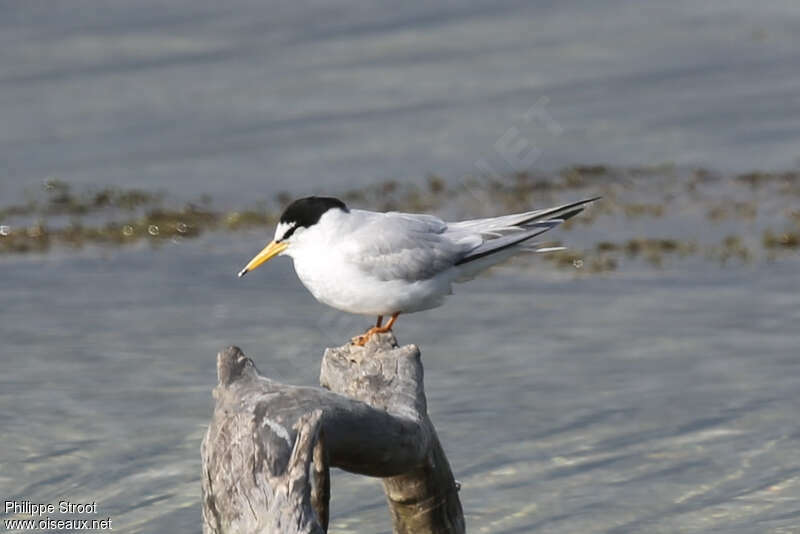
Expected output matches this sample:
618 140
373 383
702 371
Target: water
241 99
637 401
643 400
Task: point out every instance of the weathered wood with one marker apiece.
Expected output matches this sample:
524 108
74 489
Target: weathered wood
424 498
269 446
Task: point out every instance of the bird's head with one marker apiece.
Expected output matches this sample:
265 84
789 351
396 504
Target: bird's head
297 218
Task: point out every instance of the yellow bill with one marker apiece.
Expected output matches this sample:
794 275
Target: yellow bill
269 252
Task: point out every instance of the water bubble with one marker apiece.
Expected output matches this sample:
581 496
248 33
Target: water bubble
181 227
577 263
4 230
127 230
152 229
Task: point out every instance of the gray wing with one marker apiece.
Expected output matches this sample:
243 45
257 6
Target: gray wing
509 231
405 246
494 226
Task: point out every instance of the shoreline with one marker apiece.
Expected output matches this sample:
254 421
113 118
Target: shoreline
649 215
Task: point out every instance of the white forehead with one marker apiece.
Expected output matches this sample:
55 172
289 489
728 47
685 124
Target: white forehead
281 230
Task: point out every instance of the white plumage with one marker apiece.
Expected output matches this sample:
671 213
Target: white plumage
373 263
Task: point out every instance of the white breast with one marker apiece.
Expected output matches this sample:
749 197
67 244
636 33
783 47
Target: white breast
327 263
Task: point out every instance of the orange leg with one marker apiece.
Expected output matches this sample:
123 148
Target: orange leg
377 329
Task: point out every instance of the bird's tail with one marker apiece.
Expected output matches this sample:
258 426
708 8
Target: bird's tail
505 236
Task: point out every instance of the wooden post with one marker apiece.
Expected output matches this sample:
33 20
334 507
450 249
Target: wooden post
269 447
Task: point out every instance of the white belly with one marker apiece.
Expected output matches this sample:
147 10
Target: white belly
345 287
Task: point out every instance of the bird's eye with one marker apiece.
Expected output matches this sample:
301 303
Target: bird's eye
288 234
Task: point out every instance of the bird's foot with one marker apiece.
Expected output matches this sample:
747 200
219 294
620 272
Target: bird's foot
363 338
377 329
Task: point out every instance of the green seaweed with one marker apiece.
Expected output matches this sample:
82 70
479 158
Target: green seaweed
111 216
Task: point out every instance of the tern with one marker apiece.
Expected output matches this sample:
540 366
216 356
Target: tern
384 264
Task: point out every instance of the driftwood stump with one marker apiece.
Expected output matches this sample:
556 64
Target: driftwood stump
269 447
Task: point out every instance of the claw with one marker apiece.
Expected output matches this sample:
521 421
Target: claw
363 338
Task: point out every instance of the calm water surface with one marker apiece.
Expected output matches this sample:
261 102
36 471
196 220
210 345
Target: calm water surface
640 401
242 98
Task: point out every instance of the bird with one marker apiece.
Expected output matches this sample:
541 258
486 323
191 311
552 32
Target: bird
389 263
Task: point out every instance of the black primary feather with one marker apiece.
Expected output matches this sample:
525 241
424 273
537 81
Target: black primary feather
532 228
